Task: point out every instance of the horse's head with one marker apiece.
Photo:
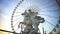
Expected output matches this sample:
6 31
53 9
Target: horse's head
40 19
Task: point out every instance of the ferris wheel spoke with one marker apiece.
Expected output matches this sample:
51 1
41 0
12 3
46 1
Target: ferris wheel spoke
49 10
50 23
49 6
18 12
16 19
16 29
19 28
27 3
16 23
17 15
42 10
49 16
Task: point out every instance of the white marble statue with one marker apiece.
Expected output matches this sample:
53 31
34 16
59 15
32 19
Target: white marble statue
31 22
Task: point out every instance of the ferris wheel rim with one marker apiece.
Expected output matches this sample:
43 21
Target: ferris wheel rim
13 15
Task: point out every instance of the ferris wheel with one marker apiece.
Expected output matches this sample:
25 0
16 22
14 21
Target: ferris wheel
48 9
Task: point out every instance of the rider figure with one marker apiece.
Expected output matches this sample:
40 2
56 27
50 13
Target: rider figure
31 22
